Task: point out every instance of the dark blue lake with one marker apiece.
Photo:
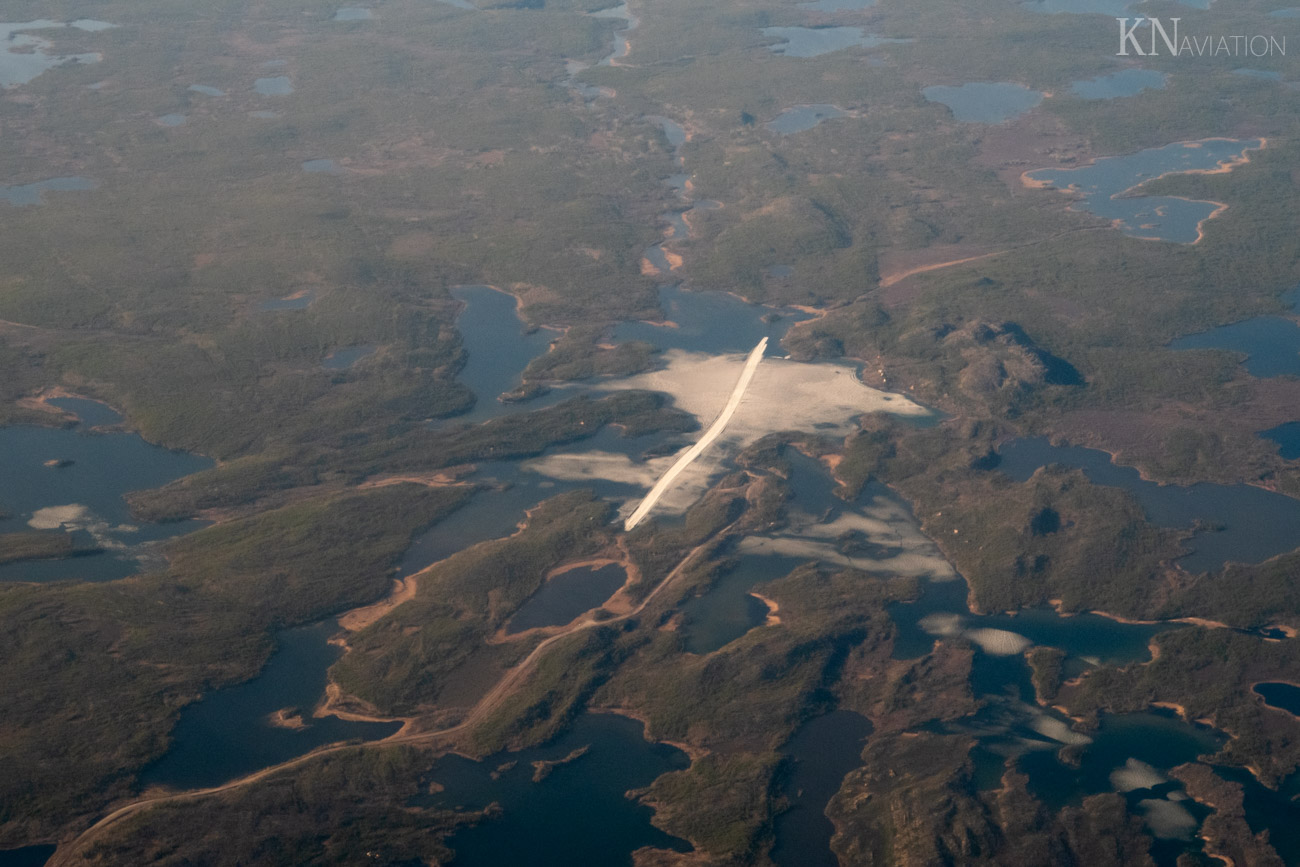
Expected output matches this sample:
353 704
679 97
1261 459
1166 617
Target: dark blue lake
1280 695
817 758
1287 437
26 856
1271 344
1127 82
84 493
1107 188
985 101
1276 811
566 595
1256 524
579 813
498 347
229 732
728 610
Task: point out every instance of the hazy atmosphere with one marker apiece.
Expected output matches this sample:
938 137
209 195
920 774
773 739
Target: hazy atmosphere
668 434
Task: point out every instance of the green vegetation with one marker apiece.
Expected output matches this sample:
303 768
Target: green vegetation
404 663
557 690
720 802
350 807
1226 827
34 546
464 156
1046 664
1209 673
96 673
576 355
913 801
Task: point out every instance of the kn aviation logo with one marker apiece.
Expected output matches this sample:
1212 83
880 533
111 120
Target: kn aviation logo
1161 37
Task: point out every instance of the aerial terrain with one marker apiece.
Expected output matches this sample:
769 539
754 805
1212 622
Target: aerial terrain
744 432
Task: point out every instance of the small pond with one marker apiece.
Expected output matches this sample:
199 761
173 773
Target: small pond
34 193
566 595
816 41
804 117
985 101
1128 82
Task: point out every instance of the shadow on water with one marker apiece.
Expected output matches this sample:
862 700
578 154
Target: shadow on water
229 732
814 514
577 813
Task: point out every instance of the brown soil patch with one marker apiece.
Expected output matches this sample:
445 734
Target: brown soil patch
896 265
348 707
1032 141
287 718
530 295
413 245
1137 436
359 618
773 618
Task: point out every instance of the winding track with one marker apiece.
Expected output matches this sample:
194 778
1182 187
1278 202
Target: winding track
67 853
719 424
503 689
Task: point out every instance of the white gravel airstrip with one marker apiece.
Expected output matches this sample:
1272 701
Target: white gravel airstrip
782 395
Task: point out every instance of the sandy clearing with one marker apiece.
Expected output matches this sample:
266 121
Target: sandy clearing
773 618
359 618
